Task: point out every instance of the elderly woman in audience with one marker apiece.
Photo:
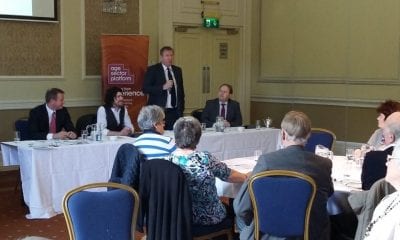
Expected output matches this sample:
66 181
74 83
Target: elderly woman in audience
385 223
377 140
152 144
201 169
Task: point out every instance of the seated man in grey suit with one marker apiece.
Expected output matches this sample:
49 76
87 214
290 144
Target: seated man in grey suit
296 128
224 107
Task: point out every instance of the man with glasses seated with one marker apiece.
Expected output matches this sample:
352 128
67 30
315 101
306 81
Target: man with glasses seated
296 129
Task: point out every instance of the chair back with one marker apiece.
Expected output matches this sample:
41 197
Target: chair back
166 208
197 113
126 168
101 215
85 120
320 136
22 126
282 202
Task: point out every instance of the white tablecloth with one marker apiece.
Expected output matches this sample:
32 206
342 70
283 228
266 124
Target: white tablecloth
234 144
346 176
47 172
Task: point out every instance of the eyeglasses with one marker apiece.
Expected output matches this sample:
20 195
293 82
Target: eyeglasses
390 158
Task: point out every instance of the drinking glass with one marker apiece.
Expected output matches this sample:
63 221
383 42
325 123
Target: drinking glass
84 135
257 154
203 126
350 154
17 136
268 122
258 124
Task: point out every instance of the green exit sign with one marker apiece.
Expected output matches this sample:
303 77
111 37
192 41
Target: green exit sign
211 22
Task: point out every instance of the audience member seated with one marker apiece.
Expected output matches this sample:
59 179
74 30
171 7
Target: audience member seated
224 107
114 115
374 166
296 128
152 144
201 169
51 120
385 222
384 110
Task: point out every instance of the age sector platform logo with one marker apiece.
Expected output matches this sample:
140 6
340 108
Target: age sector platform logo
118 74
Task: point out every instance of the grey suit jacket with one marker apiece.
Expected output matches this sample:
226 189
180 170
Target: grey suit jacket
293 158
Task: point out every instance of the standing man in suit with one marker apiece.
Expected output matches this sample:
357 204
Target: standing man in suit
224 107
163 83
296 128
51 120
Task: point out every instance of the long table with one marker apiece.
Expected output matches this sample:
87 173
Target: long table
345 175
48 171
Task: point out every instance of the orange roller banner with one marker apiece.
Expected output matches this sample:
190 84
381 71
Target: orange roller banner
124 63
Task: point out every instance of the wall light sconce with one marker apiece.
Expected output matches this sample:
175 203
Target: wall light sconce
114 6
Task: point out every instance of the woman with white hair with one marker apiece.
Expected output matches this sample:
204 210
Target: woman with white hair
201 169
385 223
152 144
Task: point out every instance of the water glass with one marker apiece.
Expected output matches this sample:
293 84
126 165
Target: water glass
350 154
84 135
257 154
268 122
203 126
17 136
258 124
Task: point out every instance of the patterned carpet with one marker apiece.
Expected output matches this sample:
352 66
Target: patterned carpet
14 225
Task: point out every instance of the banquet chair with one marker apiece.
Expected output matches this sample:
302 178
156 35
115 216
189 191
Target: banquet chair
276 214
101 215
197 113
85 120
126 168
320 136
22 126
167 205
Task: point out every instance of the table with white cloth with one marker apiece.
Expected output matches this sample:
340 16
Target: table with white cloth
234 143
49 169
346 175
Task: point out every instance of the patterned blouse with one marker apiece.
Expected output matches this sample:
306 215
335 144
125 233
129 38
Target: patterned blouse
200 169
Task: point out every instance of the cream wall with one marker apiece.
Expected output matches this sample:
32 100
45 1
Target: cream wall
326 53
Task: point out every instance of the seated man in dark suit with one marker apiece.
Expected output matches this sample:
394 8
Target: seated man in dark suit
374 166
51 120
224 107
296 128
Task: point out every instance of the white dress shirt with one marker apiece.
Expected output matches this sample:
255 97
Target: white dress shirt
50 112
102 118
168 104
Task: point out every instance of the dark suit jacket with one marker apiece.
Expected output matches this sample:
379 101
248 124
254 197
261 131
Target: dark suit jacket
374 167
293 158
39 122
211 112
154 80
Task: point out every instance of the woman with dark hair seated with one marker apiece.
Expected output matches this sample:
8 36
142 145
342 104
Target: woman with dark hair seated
384 110
201 169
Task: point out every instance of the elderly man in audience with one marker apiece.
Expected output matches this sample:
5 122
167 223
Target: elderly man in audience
385 223
114 115
201 169
152 144
374 165
51 120
296 128
384 110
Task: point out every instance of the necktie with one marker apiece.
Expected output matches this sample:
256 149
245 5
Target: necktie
223 110
172 90
53 126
